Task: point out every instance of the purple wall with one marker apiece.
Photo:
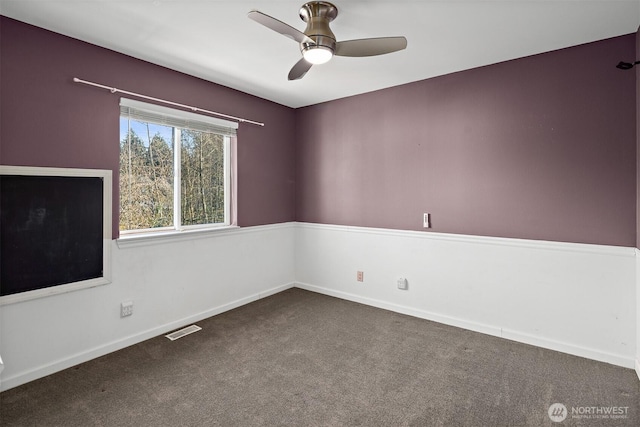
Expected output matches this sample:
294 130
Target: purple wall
47 120
542 147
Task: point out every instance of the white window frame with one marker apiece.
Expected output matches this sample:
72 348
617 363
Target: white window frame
141 236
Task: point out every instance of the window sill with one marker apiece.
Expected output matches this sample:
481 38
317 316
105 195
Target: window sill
161 237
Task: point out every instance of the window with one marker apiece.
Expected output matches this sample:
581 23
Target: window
175 169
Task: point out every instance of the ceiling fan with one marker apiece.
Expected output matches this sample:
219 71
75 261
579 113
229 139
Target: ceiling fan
318 43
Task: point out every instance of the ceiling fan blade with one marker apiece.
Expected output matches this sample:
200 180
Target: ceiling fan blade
279 27
300 69
370 47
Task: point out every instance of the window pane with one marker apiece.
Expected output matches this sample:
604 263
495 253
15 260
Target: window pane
202 185
146 175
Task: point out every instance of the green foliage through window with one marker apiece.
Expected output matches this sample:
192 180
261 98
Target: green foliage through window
149 179
202 178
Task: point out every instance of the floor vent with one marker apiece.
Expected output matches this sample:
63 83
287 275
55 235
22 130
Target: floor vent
182 332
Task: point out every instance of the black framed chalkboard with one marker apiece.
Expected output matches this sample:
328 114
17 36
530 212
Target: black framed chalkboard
52 230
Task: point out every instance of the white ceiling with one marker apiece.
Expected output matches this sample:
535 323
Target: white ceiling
214 39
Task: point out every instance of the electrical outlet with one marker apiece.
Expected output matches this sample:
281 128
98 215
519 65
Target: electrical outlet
126 309
360 276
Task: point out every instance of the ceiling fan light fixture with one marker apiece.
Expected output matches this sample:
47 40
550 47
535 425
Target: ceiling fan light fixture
317 54
318 43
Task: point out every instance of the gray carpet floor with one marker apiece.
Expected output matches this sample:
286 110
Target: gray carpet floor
303 359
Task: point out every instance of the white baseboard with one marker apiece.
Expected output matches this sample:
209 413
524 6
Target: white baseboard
447 320
482 328
638 368
102 350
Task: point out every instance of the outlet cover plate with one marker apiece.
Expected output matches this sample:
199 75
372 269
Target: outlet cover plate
126 309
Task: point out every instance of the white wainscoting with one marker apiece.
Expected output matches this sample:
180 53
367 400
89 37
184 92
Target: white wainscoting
637 363
171 284
575 298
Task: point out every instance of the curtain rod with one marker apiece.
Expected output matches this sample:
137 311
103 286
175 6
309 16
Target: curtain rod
175 104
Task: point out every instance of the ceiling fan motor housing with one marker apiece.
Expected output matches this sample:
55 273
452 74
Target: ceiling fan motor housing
318 43
317 15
